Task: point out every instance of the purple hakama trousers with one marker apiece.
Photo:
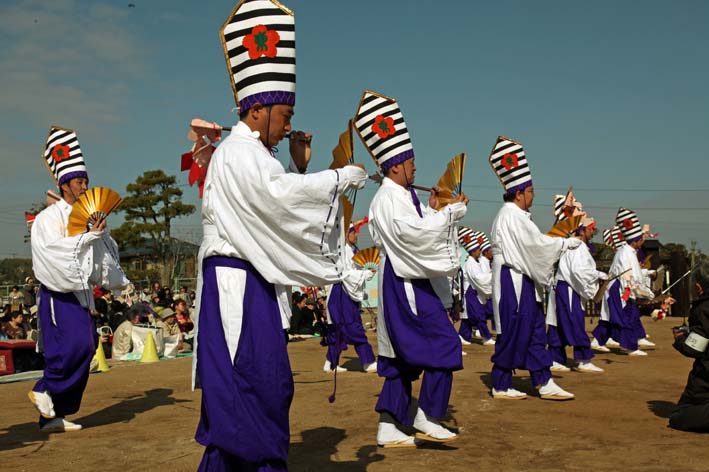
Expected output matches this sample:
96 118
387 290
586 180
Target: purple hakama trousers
477 316
424 341
522 343
346 328
570 329
68 347
245 400
623 322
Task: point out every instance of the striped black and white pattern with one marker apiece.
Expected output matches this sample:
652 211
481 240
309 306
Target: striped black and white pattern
64 169
467 238
516 177
628 223
394 147
559 201
483 241
608 238
267 80
617 237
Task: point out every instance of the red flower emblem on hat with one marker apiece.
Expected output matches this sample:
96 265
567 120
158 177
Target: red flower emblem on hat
261 42
481 240
569 211
510 161
60 152
467 239
383 126
627 223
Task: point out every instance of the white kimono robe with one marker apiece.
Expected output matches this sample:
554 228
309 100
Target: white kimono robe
73 263
518 244
578 269
284 224
417 247
477 274
626 258
354 281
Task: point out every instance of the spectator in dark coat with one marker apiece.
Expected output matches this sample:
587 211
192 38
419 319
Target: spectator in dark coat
692 341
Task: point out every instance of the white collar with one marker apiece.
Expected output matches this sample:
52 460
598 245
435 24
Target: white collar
63 205
387 182
242 129
515 207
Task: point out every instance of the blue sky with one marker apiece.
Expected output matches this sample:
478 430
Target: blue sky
607 96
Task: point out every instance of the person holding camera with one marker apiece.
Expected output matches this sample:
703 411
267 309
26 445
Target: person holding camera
692 341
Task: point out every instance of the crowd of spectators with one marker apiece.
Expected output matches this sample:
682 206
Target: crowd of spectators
309 314
155 306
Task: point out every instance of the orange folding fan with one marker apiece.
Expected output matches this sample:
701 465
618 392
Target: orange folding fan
451 182
96 203
342 155
563 228
367 258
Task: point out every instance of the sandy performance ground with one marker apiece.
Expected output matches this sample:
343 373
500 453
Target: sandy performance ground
143 417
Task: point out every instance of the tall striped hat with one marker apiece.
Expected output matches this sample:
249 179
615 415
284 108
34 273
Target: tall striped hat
617 239
63 156
468 238
608 238
258 39
381 127
559 204
566 206
629 225
510 164
484 241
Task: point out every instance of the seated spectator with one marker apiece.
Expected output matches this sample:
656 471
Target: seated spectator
182 314
15 328
145 296
692 341
16 299
122 336
193 297
297 315
305 319
183 295
116 314
168 323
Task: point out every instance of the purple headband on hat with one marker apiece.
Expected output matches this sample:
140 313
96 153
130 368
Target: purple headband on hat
398 159
267 98
518 188
72 175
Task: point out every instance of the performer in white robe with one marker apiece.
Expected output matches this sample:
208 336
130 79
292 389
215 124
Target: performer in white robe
418 249
68 268
522 266
614 239
576 284
477 288
343 310
264 229
619 308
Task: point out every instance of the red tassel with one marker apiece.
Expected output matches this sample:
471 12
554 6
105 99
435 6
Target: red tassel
626 294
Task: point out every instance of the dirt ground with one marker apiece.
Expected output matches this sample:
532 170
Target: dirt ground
143 417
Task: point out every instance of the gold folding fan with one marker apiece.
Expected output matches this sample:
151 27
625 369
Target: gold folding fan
96 203
451 182
564 227
342 155
367 258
